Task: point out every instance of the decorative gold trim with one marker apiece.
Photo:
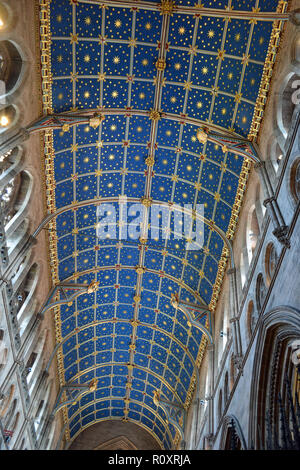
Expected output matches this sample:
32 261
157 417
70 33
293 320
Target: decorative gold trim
267 72
48 158
161 64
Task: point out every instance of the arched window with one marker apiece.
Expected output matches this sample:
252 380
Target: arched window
275 387
287 104
18 203
34 362
251 319
220 405
5 401
277 157
10 67
5 17
295 180
271 259
3 353
224 331
42 409
232 372
10 164
26 303
261 291
8 420
226 389
8 118
243 270
8 197
232 440
253 232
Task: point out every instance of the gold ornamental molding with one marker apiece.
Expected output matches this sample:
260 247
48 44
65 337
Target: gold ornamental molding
48 157
169 8
268 70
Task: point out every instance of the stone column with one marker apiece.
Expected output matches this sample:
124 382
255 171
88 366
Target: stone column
234 320
210 349
280 228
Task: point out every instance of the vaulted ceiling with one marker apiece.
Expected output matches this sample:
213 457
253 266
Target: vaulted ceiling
146 58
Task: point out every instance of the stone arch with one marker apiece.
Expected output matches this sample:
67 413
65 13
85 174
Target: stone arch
6 401
41 409
253 232
21 202
230 422
117 443
295 181
11 65
34 360
243 269
26 302
5 17
287 103
251 319
226 388
3 355
232 373
21 270
9 116
279 329
10 165
8 419
271 259
220 405
261 292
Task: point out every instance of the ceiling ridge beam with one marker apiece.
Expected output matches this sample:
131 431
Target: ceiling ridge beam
199 10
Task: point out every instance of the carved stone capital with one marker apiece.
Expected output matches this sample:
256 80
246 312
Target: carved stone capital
238 361
281 233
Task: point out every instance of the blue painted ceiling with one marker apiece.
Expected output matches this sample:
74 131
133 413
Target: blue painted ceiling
105 57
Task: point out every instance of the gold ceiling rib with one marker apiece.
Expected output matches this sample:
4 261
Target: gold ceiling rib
160 66
169 7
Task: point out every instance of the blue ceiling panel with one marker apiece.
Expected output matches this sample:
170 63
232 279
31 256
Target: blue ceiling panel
128 335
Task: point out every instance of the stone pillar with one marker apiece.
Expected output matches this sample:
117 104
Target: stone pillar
280 228
210 349
45 432
234 320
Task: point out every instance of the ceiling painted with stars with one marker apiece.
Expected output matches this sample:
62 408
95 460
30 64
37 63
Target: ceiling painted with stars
140 57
